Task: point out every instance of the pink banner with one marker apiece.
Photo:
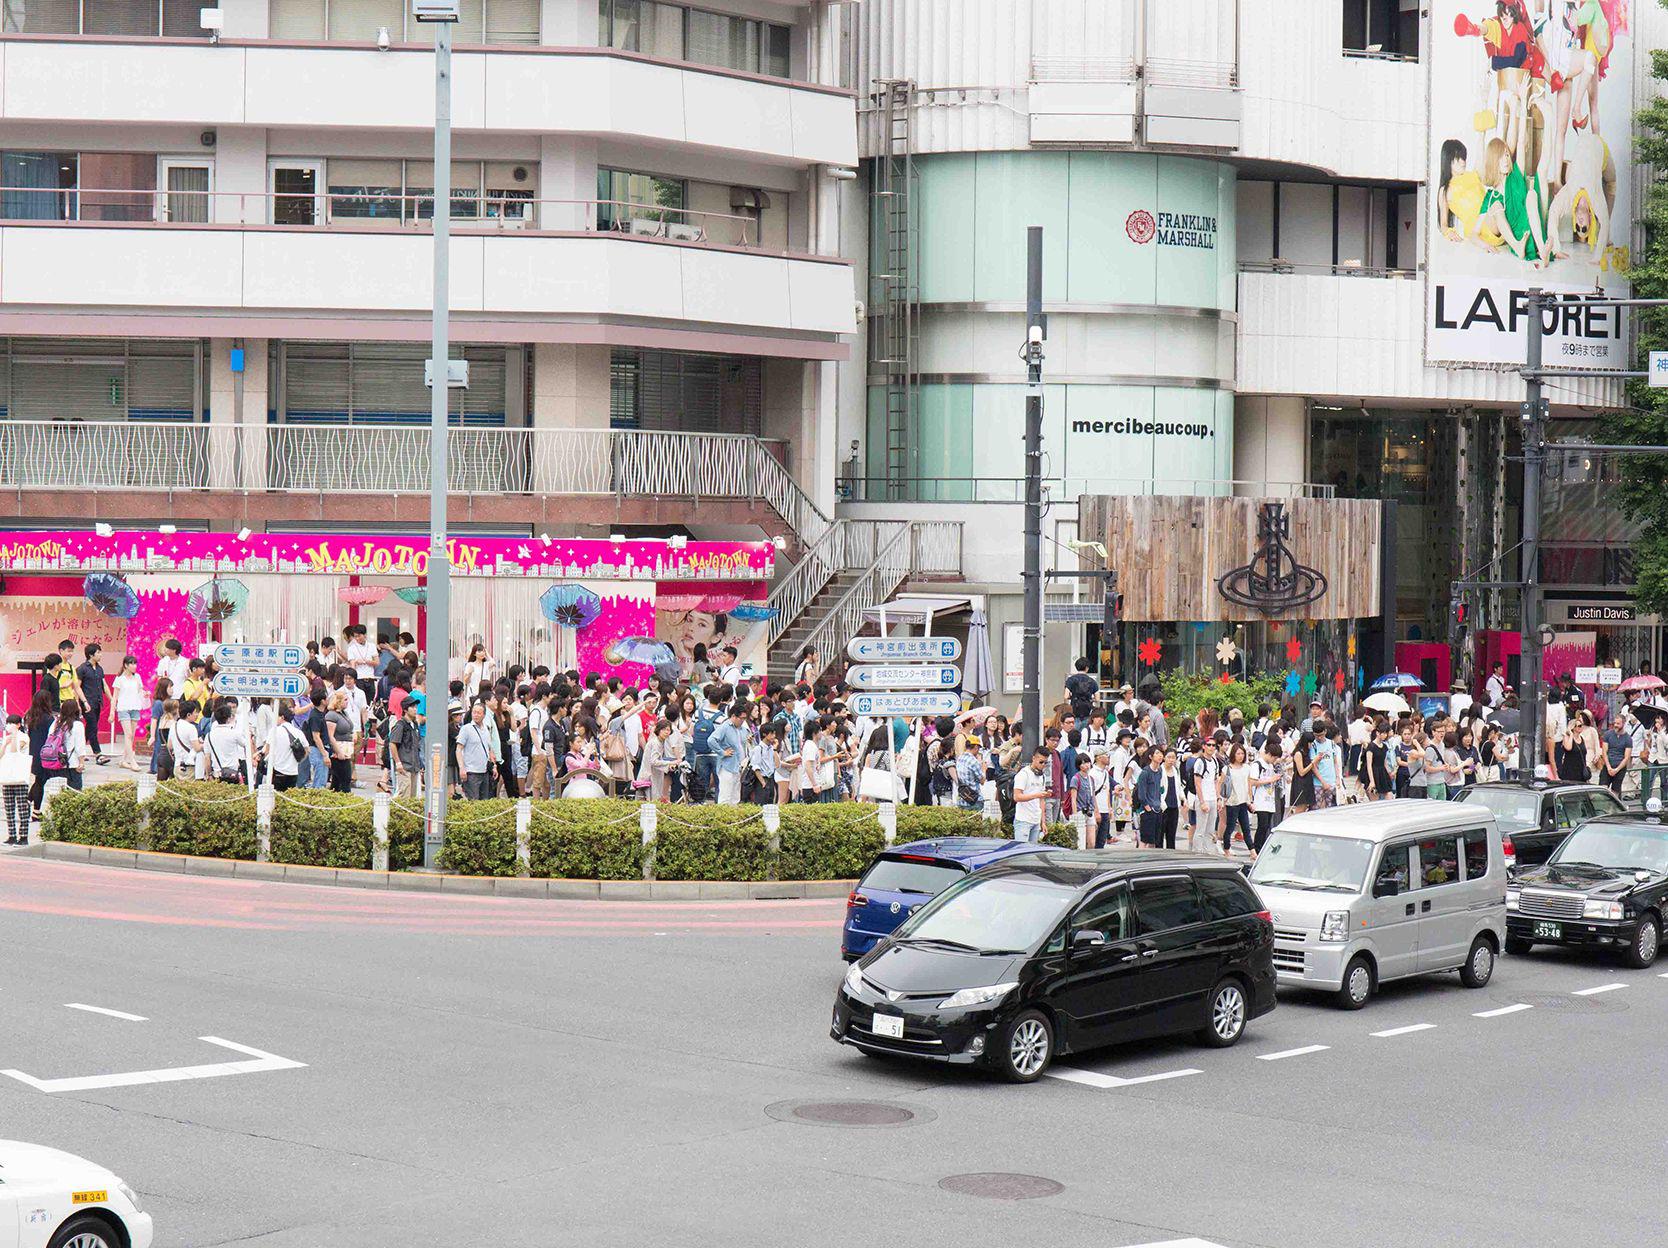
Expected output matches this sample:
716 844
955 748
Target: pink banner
558 558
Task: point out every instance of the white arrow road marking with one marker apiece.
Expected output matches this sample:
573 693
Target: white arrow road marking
173 1074
99 1009
1593 992
1403 1031
1097 1080
1308 1048
1503 1010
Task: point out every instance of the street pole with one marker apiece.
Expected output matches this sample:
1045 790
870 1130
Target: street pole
1036 328
1534 456
437 633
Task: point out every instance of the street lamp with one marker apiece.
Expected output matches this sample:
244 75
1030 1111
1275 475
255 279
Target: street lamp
436 643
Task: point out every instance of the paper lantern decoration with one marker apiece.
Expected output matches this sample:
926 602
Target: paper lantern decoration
416 595
1226 651
218 600
1150 651
677 600
1294 649
752 611
111 595
644 650
362 595
571 606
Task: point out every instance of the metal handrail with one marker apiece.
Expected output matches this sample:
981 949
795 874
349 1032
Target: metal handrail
1335 270
845 618
1009 490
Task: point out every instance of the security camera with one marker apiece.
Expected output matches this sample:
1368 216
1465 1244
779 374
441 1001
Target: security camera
1035 336
383 42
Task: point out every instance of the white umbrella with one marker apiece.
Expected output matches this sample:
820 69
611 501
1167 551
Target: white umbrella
978 680
1389 703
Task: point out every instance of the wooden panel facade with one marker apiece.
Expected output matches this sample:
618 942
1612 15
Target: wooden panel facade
1171 552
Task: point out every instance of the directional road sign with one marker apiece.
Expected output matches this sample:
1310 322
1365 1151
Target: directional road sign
911 705
904 676
260 656
904 649
260 684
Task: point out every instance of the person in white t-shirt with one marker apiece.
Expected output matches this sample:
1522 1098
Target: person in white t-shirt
361 656
1031 790
186 741
133 704
1265 790
175 666
1458 700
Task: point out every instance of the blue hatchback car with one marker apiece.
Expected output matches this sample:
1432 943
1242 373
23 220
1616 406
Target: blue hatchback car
908 876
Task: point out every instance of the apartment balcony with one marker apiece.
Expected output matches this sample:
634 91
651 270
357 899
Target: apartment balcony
526 90
568 271
259 473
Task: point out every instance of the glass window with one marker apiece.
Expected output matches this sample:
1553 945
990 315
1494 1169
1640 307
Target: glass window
1439 858
1305 860
991 912
724 41
776 56
1224 897
512 21
509 190
466 189
903 875
626 198
1166 903
120 17
1394 874
660 32
1566 812
1514 809
298 19
182 19
1604 804
1622 846
359 20
617 22
39 186
41 17
1476 854
118 186
1107 913
364 190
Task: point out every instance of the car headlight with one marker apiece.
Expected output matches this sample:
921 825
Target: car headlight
854 979
976 996
1335 926
132 1196
1512 895
1601 910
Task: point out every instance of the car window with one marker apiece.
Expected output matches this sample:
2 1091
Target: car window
1476 854
1225 897
1586 808
905 875
1439 861
1566 812
1393 875
1605 804
1107 913
1165 903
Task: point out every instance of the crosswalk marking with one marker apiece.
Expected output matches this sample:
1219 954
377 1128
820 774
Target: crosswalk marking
1503 1010
1095 1079
1593 992
1284 1053
1404 1031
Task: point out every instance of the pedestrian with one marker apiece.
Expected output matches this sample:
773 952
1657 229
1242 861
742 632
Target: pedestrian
1173 792
224 746
474 754
1442 765
1032 789
1376 777
970 774
1618 754
808 667
342 740
1236 799
405 753
1494 689
284 749
1206 784
729 746
1328 767
173 667
654 773
1303 774
89 678
16 774
1081 689
131 706
1265 791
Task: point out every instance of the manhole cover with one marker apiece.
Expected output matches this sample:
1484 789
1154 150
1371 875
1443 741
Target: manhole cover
850 1113
1562 1001
1002 1186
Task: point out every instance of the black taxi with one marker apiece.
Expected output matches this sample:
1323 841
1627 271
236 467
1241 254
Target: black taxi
1605 887
1534 816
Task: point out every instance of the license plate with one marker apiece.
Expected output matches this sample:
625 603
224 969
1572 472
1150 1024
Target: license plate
1552 931
888 1025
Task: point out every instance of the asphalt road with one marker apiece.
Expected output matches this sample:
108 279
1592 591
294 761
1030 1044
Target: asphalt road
481 1070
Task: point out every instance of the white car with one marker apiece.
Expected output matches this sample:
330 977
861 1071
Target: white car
52 1199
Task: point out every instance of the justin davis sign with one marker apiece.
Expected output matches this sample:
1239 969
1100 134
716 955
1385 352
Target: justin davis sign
1602 614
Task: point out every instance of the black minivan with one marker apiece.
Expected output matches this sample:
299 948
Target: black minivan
1058 952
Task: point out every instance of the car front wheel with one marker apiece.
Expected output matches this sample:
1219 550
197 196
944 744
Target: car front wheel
1517 946
1479 964
1227 1015
1358 984
1027 1047
86 1231
1647 943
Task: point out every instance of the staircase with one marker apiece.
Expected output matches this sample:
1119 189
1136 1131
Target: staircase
784 651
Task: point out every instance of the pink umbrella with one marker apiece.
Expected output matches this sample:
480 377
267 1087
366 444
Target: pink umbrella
362 595
1634 683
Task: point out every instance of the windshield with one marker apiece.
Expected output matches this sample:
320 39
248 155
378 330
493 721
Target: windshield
1306 861
1513 808
904 875
1625 847
984 912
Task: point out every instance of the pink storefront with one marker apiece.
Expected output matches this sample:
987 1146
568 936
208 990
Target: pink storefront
305 586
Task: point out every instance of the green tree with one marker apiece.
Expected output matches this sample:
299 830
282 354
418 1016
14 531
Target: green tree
1643 492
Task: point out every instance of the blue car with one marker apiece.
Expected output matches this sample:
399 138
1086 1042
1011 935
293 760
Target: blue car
908 876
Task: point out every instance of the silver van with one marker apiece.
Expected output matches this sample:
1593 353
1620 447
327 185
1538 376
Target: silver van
1378 891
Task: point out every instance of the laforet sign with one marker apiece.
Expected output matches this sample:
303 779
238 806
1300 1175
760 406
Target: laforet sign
1238 559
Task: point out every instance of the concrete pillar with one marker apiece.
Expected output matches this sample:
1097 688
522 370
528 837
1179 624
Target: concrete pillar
567 182
568 23
572 447
247 19
1271 444
240 175
237 440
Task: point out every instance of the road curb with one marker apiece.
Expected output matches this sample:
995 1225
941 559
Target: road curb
431 882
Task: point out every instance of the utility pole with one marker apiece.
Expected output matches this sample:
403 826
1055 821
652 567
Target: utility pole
1534 413
1036 329
437 633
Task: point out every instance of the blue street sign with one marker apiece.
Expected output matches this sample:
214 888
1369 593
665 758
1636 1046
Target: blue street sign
259 656
904 649
260 684
904 676
911 705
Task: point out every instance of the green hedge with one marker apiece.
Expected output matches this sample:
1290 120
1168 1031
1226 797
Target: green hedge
570 839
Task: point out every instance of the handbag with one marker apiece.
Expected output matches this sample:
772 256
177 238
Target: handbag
613 747
228 774
15 768
879 784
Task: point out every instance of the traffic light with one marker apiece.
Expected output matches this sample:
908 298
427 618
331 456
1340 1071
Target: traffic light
1462 613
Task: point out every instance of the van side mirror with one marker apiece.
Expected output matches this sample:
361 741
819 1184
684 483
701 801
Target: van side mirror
1386 886
1086 938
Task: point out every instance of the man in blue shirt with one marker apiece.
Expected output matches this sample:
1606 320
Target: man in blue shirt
729 745
1326 767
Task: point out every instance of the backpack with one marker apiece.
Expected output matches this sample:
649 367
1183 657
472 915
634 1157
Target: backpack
298 747
705 722
52 749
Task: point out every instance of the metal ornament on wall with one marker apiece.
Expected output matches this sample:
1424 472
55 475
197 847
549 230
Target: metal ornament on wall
1274 581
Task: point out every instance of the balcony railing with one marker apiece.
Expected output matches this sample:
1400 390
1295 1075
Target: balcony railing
878 489
1344 268
389 211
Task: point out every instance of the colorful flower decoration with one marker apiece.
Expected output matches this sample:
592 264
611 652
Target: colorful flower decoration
1294 649
571 606
1352 645
1226 651
1200 626
1150 651
1309 683
1360 678
1277 627
1338 680
110 594
1293 683
218 600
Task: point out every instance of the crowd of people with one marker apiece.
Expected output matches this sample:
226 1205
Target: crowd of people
1119 764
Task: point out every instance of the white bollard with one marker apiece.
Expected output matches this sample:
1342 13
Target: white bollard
379 830
266 801
888 816
648 818
1080 821
772 815
146 791
523 838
